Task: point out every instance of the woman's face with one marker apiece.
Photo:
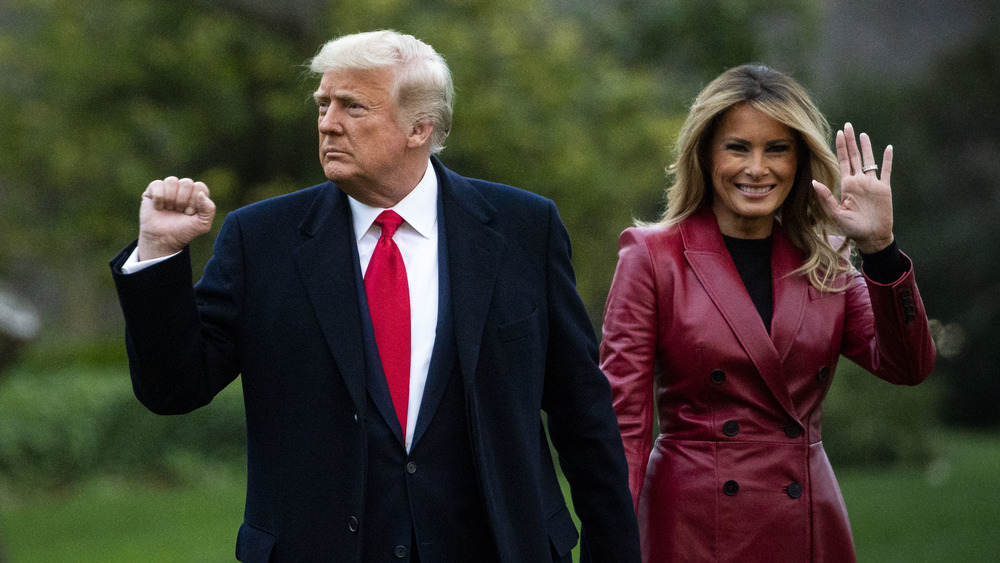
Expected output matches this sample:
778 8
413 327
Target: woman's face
753 160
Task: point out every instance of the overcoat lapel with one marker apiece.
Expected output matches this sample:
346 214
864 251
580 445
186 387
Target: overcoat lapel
791 293
443 355
474 251
326 265
706 252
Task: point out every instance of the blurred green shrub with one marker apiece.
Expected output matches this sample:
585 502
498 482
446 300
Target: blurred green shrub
60 427
869 422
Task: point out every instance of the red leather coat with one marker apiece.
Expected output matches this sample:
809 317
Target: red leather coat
738 471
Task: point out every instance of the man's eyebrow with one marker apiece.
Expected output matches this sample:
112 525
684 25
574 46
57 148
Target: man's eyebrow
341 95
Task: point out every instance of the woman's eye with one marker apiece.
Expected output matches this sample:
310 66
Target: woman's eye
735 147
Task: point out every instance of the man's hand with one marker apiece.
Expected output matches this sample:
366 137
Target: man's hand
173 212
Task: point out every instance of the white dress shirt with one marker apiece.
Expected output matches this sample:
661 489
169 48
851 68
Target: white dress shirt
417 239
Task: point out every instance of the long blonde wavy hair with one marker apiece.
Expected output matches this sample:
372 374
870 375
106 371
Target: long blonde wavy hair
802 215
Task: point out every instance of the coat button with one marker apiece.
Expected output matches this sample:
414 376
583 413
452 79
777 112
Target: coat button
718 376
352 524
823 374
792 429
794 489
731 488
731 428
400 552
411 468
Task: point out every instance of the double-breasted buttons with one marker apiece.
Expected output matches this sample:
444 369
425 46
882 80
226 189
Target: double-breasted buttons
411 468
731 428
794 489
400 551
792 429
730 488
823 374
717 376
352 524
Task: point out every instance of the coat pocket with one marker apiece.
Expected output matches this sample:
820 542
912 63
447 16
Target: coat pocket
562 532
519 329
254 545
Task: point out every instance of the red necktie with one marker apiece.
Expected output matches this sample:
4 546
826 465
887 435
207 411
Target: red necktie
389 307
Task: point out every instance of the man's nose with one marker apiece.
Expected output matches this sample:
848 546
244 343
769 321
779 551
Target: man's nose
329 123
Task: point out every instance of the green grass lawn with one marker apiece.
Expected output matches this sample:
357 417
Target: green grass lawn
949 511
112 522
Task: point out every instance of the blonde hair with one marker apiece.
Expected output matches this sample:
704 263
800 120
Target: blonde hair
422 87
802 215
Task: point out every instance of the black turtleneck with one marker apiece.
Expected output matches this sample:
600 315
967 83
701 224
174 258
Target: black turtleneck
753 261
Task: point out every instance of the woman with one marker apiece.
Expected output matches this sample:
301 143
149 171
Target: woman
732 313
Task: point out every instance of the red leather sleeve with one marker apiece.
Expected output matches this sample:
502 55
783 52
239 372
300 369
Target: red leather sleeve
628 350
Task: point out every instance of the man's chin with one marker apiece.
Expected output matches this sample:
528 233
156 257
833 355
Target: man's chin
335 173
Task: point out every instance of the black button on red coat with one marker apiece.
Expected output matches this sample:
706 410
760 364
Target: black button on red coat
731 428
717 376
794 489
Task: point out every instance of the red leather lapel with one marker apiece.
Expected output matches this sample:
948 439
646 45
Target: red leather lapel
706 252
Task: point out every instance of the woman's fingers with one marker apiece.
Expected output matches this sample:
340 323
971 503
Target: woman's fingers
887 165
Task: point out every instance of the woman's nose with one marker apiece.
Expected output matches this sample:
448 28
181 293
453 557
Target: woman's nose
756 167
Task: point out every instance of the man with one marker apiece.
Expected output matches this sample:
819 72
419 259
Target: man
371 439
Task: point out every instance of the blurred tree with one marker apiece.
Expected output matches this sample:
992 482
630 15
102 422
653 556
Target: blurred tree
946 194
578 101
97 100
956 133
690 43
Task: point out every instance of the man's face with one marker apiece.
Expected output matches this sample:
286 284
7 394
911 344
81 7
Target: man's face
361 145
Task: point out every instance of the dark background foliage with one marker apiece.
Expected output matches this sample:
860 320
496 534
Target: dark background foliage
577 100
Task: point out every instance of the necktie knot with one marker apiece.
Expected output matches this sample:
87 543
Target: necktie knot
389 220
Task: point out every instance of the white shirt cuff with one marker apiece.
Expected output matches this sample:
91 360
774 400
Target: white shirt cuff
133 264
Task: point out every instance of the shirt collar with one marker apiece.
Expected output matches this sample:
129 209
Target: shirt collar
418 208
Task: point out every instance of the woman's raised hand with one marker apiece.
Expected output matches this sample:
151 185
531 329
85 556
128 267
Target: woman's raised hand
864 212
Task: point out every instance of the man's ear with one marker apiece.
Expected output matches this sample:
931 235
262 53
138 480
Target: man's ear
420 134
